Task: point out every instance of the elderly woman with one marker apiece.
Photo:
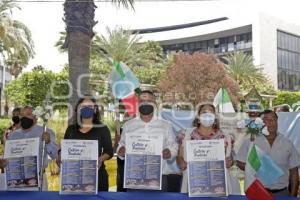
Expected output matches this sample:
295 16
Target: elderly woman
206 127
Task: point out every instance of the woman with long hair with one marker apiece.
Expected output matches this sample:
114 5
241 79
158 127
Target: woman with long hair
88 126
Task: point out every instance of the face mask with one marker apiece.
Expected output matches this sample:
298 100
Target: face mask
86 112
26 122
207 119
146 109
15 119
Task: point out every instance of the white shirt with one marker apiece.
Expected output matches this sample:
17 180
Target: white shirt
282 152
155 126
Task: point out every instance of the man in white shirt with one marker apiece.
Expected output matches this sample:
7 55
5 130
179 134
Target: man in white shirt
147 122
281 150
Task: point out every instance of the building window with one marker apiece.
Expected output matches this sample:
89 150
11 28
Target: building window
220 46
288 61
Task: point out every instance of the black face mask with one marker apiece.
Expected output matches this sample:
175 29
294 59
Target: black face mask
146 109
26 122
15 119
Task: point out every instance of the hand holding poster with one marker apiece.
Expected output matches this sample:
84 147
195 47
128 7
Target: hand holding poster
79 167
206 168
22 164
143 161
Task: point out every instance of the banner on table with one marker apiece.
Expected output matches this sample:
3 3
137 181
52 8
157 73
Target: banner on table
143 161
22 169
79 167
206 168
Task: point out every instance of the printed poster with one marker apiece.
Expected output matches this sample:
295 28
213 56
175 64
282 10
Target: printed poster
206 168
143 161
79 167
22 158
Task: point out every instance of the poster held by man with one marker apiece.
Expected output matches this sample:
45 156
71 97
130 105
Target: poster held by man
22 172
143 161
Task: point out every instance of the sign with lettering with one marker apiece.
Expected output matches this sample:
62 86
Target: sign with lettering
22 169
143 161
79 167
206 168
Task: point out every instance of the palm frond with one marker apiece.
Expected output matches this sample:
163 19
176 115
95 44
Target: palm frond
240 67
15 37
126 3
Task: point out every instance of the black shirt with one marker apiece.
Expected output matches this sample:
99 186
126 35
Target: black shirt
101 134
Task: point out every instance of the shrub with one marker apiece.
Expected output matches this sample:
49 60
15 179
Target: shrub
286 97
4 124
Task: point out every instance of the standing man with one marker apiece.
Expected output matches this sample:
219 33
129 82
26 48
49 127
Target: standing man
30 129
16 123
281 150
147 122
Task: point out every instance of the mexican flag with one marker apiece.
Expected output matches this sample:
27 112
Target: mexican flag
131 104
122 80
222 102
260 172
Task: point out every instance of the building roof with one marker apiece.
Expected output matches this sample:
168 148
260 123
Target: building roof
223 26
179 26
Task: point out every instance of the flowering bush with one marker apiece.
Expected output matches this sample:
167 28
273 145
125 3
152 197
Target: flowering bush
253 127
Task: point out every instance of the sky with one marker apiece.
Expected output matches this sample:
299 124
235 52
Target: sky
44 19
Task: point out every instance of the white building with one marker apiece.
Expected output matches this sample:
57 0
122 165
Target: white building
274 44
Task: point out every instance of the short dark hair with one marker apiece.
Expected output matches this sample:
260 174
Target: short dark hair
147 92
285 108
268 111
16 110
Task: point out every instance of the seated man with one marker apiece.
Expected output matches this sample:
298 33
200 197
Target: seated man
281 150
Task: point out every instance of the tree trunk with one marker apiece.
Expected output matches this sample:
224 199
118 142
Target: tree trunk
79 59
79 19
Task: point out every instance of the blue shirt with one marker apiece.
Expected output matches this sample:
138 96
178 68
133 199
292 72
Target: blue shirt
36 132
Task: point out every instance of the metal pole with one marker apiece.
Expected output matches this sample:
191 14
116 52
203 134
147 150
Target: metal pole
47 102
43 160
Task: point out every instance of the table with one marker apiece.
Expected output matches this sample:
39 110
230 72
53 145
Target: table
11 195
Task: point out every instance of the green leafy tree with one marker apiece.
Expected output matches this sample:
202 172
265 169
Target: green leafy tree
286 97
32 88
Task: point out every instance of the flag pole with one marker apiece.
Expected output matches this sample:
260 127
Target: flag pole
117 113
222 99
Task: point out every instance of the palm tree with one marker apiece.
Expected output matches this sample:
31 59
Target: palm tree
119 45
145 59
79 19
240 67
15 39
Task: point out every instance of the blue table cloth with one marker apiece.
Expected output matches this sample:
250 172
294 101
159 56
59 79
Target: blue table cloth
10 195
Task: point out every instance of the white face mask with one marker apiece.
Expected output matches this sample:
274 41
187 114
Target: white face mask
207 119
